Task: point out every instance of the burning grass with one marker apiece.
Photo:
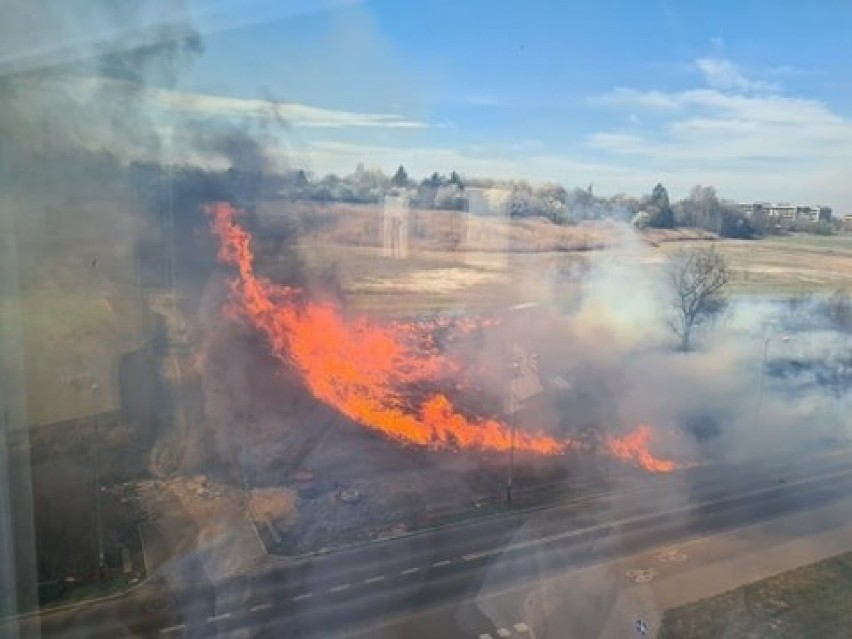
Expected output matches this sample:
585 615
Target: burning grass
367 371
361 369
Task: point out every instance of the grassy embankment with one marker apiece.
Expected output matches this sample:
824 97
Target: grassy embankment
812 601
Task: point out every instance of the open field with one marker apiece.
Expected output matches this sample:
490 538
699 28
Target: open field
787 264
808 602
448 268
80 307
433 281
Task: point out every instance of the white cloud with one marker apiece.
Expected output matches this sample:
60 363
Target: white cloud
291 113
632 98
721 73
766 146
495 162
171 102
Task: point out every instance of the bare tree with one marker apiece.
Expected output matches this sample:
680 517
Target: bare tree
697 277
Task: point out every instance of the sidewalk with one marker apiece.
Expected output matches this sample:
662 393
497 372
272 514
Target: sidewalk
706 567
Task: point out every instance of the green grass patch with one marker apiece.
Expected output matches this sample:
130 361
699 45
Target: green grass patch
813 601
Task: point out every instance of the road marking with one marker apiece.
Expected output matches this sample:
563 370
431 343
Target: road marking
307 595
339 588
438 564
671 555
215 618
485 635
165 631
541 541
373 580
409 571
642 575
521 627
503 632
477 555
260 607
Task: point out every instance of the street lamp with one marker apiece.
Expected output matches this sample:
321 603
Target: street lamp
521 364
515 373
767 338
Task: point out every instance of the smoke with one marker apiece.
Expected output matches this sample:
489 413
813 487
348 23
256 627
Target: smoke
610 362
771 378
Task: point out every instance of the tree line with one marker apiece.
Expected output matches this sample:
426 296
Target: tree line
702 208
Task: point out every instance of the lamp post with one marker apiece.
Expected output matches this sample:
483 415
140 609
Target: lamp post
521 364
767 338
514 370
98 525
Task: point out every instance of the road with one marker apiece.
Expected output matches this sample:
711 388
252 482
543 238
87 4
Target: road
404 587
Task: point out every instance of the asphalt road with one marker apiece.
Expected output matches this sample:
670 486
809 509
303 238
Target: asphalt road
355 592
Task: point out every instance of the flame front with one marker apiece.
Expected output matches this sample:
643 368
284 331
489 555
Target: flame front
366 371
633 447
359 368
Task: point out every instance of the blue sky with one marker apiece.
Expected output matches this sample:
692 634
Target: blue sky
754 97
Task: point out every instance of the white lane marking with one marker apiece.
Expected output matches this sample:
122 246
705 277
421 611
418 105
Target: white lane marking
409 571
373 580
521 627
263 606
541 541
503 632
215 618
165 631
307 595
485 635
339 588
438 564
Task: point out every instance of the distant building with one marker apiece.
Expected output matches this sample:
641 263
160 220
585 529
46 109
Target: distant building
786 214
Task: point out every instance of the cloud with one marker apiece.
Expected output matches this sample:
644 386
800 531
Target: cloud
171 102
706 123
292 113
743 135
501 161
632 98
721 73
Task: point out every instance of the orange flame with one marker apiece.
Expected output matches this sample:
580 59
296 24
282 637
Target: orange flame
362 369
633 447
358 368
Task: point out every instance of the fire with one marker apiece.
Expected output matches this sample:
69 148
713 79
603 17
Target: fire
359 368
366 371
633 447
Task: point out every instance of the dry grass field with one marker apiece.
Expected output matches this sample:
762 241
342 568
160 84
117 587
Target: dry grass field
79 316
787 264
501 264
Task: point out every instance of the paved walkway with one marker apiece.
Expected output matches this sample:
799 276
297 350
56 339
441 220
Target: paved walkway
709 566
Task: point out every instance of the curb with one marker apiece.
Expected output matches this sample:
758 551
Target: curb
295 560
77 604
87 602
